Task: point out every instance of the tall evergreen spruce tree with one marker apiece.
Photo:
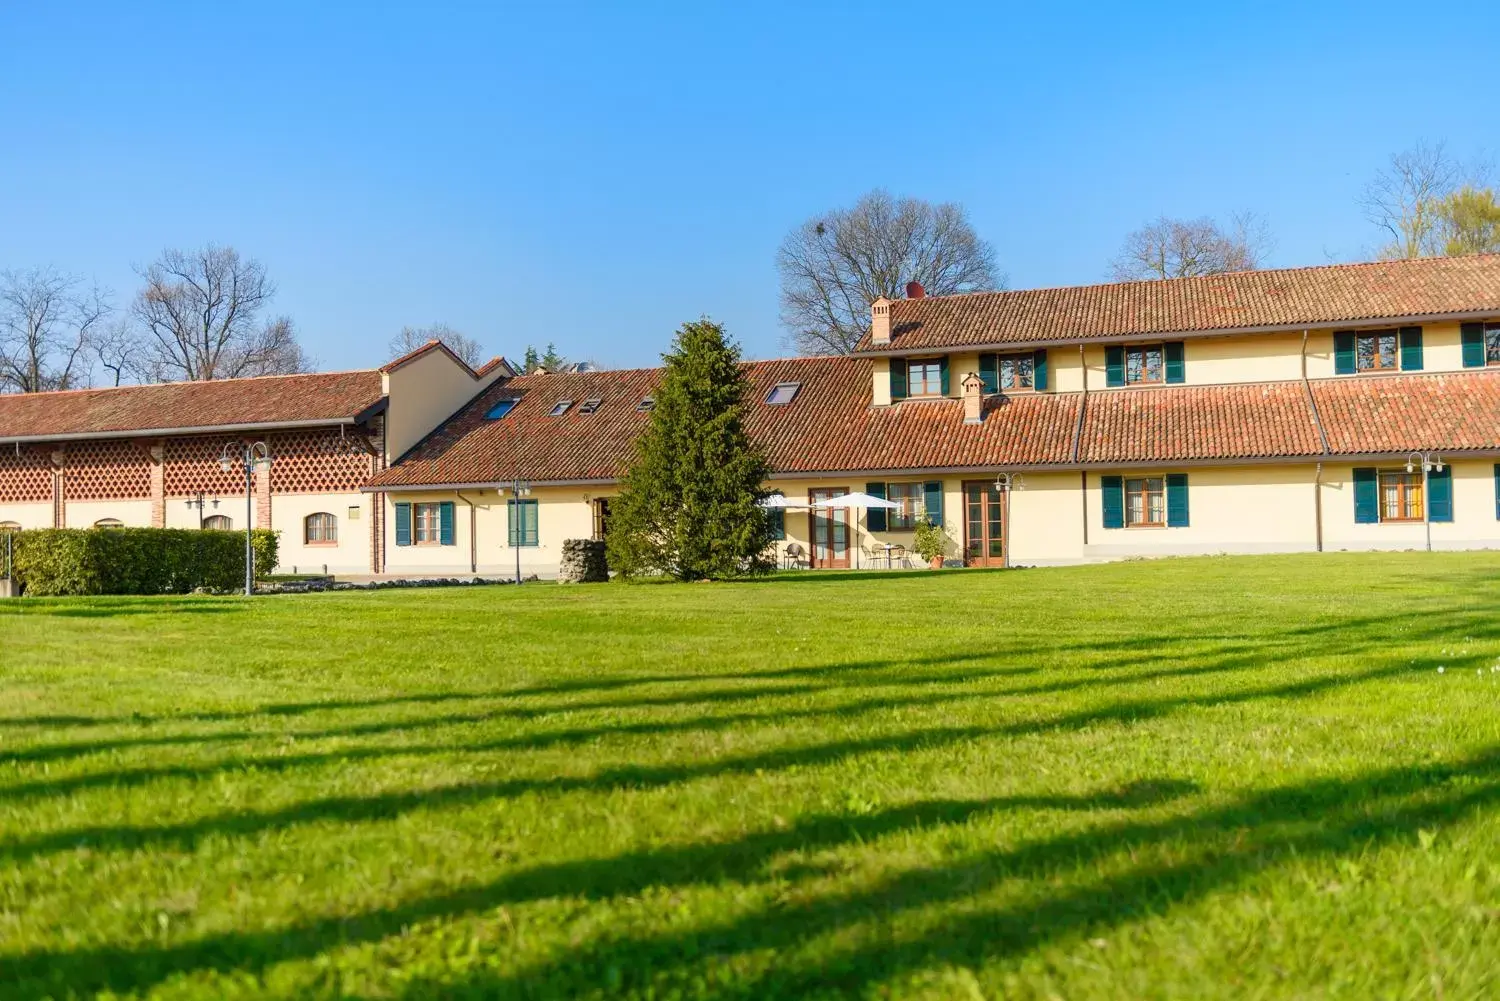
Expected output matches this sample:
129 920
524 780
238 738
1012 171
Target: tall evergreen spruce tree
689 502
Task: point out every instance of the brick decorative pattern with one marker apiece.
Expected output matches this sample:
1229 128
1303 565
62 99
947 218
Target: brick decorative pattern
108 469
192 466
25 477
318 462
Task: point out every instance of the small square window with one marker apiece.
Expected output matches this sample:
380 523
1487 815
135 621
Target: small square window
783 393
589 406
500 409
646 405
560 408
1376 352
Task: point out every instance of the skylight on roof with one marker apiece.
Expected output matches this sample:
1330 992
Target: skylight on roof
500 409
782 393
560 408
589 406
646 405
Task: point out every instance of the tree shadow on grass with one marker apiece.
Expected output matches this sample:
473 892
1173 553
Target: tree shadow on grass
1225 847
747 858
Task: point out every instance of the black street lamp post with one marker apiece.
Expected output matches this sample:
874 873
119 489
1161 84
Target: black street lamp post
254 457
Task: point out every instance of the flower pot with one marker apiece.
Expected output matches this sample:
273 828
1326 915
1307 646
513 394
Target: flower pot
936 563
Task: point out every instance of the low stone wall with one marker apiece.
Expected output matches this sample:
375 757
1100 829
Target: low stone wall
583 562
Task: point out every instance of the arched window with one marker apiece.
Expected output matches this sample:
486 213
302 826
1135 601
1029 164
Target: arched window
218 522
109 523
321 529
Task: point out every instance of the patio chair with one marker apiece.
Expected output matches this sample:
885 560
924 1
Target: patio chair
794 557
875 556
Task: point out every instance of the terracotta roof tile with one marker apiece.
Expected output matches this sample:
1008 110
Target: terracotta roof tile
1290 297
1182 423
828 427
1451 411
267 400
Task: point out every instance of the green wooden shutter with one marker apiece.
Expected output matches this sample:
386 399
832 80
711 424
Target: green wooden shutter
778 523
1176 370
875 519
1114 365
898 379
1039 369
943 375
932 500
445 523
1497 491
403 524
1472 335
1366 496
1343 352
1440 494
1411 349
1177 500
533 523
1112 503
513 518
989 372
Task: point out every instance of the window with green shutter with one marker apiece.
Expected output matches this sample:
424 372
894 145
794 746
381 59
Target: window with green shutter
1472 336
1366 496
1114 366
1343 352
1112 500
898 379
943 375
445 523
1177 500
1497 491
989 372
1039 368
403 524
875 517
1175 352
521 523
932 501
1411 349
1440 494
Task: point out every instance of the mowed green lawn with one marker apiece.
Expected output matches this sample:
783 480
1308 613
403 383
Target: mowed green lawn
1193 778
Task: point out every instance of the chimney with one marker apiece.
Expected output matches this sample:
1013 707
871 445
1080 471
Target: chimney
880 321
973 387
914 290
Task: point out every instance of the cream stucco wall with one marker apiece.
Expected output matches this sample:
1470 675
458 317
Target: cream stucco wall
29 515
1474 525
423 393
481 539
352 552
1249 509
881 381
83 514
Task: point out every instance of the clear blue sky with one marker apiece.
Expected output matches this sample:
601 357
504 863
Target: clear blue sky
594 175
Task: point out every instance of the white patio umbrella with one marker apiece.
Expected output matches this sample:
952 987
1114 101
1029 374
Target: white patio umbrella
860 502
780 501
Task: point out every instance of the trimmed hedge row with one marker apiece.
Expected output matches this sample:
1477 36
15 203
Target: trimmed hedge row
76 561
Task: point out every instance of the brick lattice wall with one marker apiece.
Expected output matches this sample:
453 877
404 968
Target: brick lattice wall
317 462
192 465
27 477
109 469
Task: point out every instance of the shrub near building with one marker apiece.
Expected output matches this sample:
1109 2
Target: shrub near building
73 561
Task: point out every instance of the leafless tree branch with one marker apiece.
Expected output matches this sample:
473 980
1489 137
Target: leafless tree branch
1183 248
411 338
47 322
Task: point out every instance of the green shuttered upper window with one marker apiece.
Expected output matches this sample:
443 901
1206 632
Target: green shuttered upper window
927 377
1145 364
1377 351
1481 344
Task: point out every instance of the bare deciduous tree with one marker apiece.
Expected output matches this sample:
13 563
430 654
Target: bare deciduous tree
1403 200
201 314
46 321
1183 248
119 350
834 265
466 347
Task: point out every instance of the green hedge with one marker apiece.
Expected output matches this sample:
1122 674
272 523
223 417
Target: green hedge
70 561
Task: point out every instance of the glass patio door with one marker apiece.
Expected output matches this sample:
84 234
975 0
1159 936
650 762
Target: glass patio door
984 525
830 530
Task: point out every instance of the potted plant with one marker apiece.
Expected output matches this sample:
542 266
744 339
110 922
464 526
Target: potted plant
930 542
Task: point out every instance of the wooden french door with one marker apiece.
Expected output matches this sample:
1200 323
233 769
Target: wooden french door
830 530
984 525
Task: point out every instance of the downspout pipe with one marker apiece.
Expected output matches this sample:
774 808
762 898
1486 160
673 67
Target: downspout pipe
1083 476
1312 404
473 532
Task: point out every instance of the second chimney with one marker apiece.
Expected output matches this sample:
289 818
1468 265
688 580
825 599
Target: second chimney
973 387
914 290
880 321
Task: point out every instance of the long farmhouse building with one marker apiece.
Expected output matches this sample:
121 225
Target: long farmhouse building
1255 412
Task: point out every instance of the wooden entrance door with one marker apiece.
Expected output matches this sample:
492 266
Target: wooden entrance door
984 525
830 530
